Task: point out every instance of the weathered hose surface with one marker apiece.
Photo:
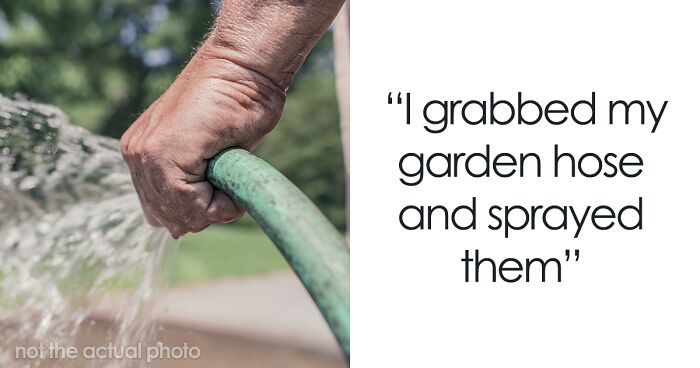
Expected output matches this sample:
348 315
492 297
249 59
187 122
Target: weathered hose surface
313 247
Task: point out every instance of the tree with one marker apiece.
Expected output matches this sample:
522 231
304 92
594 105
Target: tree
105 61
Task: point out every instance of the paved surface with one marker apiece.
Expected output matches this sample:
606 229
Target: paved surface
272 309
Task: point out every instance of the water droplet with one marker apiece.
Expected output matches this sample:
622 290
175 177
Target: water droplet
28 183
43 227
60 244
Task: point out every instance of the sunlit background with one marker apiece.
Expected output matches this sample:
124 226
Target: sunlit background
105 61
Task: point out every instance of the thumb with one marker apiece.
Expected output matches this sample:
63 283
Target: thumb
223 208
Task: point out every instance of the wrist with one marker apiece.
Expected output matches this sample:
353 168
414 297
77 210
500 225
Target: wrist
278 69
216 62
239 105
244 34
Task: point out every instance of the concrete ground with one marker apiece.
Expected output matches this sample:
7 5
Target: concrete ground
262 321
274 308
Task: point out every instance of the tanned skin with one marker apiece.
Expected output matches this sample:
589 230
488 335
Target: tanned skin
230 94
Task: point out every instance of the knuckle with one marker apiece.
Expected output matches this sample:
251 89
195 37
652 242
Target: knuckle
197 226
150 145
124 147
196 229
175 230
213 214
149 150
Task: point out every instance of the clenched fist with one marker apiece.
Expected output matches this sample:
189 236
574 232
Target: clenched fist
214 104
229 95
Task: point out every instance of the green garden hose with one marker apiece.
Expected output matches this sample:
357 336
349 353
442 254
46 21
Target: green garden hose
315 250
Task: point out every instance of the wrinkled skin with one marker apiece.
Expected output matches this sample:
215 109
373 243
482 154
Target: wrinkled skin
229 95
213 104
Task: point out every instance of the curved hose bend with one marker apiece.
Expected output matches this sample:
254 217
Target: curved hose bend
309 242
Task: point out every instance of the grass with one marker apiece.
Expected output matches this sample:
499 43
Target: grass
217 252
225 250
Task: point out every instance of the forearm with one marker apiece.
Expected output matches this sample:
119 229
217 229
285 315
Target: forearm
270 37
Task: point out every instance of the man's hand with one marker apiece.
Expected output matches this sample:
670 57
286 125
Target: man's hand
230 95
214 104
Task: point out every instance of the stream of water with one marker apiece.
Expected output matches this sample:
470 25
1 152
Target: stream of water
71 234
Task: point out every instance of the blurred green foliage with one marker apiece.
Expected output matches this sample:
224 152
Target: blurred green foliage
105 61
223 251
